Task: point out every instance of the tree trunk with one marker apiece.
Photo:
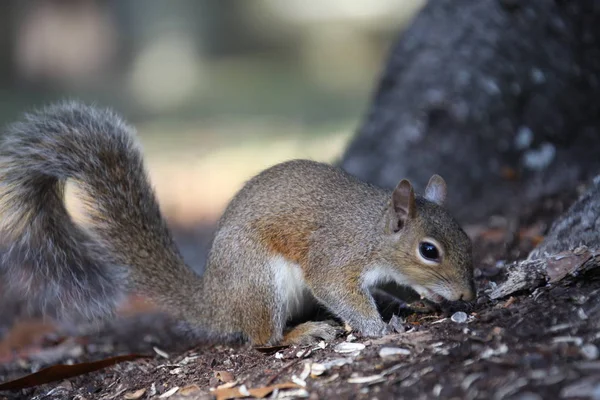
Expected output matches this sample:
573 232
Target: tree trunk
570 250
500 97
579 226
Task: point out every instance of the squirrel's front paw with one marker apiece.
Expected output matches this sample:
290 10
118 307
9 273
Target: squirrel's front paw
375 328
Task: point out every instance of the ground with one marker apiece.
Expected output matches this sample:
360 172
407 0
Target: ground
533 345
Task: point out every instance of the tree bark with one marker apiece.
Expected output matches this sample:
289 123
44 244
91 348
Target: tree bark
579 226
570 250
500 97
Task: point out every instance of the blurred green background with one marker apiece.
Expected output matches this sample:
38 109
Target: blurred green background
218 89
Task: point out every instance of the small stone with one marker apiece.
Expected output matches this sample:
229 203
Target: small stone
589 351
459 317
524 138
393 351
540 158
538 76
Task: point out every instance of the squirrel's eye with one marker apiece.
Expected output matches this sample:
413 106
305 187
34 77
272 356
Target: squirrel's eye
429 251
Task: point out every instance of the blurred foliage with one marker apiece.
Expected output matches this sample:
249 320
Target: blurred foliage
265 80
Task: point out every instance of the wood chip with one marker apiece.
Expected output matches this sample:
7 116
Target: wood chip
134 395
169 393
348 347
393 352
160 352
367 379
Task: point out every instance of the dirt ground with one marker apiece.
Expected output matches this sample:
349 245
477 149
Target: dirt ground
539 345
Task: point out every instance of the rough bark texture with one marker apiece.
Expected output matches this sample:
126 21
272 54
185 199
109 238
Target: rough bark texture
571 249
498 96
579 226
528 275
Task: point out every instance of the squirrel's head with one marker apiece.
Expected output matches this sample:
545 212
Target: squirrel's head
426 243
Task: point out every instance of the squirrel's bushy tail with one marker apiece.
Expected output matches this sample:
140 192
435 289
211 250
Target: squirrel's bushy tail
58 267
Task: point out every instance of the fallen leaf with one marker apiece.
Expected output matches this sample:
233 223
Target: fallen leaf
59 372
188 390
134 395
224 376
258 393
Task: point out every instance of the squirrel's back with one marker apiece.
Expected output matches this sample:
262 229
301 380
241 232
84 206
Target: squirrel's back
310 189
283 206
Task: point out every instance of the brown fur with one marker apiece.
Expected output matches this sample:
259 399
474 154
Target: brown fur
285 235
299 232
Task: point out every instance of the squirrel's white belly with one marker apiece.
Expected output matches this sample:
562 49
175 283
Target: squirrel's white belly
290 286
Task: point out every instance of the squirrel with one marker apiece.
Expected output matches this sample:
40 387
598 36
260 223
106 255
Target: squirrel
298 233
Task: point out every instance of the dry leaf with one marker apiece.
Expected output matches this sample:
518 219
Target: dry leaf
188 390
60 372
224 376
135 395
259 393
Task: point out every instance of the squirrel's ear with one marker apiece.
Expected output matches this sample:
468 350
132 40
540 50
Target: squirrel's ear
403 202
436 190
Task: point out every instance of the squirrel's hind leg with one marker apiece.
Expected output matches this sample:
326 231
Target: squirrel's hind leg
311 332
287 296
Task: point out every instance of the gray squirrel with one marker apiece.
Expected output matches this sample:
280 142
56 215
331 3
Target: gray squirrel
298 233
